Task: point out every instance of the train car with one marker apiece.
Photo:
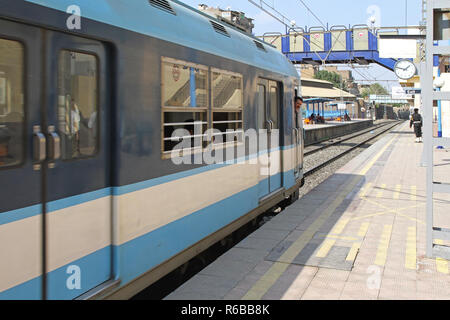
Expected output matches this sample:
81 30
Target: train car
320 106
100 197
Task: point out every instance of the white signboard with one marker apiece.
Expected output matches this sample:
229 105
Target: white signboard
397 48
342 106
399 93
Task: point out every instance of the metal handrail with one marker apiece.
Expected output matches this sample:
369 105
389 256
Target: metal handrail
319 28
272 34
269 34
343 28
360 26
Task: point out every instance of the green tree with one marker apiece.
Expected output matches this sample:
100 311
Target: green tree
374 88
332 77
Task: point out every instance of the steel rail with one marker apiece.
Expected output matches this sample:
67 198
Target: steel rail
343 140
326 163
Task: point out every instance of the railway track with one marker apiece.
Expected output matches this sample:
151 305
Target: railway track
342 150
339 140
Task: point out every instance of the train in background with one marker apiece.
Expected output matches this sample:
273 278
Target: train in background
93 204
331 109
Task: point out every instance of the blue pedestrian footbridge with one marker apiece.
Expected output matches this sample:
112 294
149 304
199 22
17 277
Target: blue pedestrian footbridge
338 44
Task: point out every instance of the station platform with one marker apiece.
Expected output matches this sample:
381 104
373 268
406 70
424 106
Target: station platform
360 234
315 133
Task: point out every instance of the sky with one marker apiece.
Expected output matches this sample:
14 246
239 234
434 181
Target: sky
332 12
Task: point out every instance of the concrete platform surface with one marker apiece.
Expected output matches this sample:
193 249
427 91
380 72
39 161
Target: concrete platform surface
359 235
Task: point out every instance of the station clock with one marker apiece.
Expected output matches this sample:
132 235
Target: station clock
405 69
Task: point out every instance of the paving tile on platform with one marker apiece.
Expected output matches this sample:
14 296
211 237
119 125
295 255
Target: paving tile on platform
336 259
397 289
233 271
243 254
295 220
276 253
292 283
359 287
235 294
202 287
270 234
281 225
319 289
307 257
258 244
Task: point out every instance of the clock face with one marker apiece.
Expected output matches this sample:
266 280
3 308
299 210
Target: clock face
405 69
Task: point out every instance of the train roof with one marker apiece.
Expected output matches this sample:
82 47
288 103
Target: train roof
179 23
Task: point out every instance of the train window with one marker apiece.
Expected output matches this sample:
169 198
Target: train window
78 104
11 103
227 90
227 106
184 85
184 106
274 105
261 106
184 130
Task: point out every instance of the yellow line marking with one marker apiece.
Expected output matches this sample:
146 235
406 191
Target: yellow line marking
379 204
365 189
326 247
380 192
271 276
353 251
339 227
441 264
410 218
398 188
387 212
396 210
375 159
383 246
413 196
411 250
363 229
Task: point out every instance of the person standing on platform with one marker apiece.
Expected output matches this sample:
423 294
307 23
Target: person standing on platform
416 121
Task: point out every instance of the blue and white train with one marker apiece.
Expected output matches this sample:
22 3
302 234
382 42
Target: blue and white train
92 203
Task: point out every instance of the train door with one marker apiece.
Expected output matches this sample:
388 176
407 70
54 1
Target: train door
274 116
297 137
21 194
269 138
77 173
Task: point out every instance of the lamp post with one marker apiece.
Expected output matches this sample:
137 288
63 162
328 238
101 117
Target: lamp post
372 21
